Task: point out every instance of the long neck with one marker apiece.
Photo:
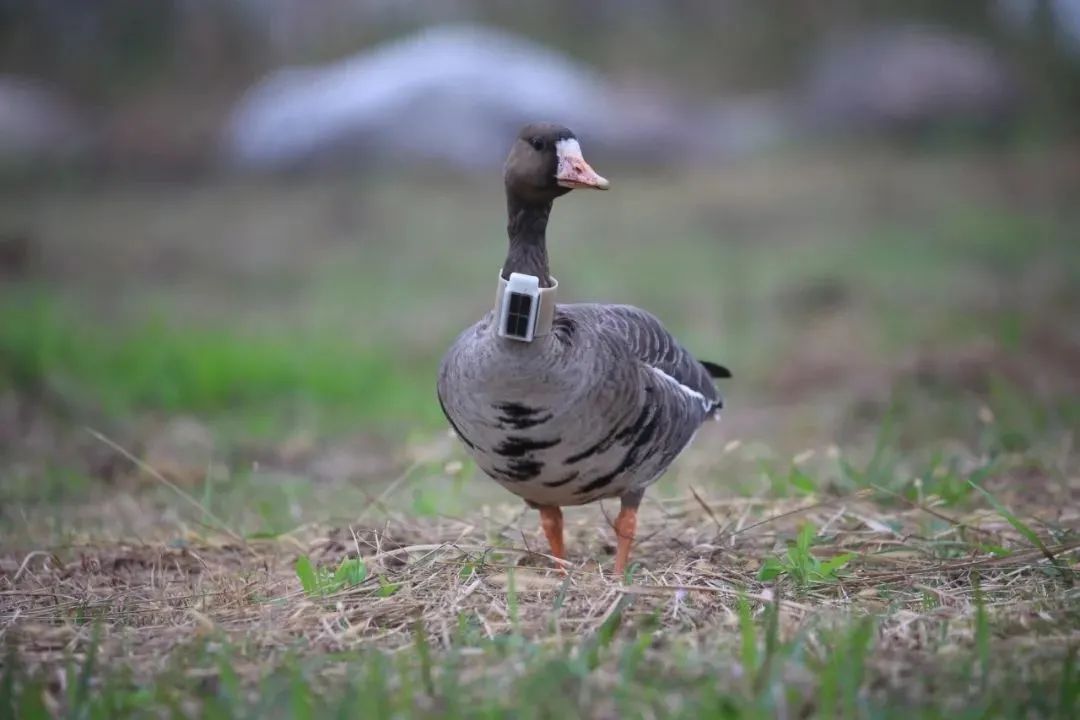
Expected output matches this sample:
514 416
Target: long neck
526 225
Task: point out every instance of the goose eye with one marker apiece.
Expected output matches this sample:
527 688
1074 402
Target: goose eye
537 144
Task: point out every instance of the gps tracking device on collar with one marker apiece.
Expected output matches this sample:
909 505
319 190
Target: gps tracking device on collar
523 309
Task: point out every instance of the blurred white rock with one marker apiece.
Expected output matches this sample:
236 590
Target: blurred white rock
454 94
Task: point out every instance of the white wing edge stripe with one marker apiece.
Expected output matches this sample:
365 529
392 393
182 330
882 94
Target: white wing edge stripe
706 403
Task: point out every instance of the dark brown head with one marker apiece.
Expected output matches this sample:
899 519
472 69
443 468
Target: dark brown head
545 162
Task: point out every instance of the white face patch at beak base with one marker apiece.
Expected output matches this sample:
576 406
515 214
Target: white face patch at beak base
573 171
568 148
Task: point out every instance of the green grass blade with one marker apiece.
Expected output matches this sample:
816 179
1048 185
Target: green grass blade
1021 527
748 633
387 588
771 569
423 652
855 649
302 703
306 574
7 684
605 634
81 695
1069 702
31 703
1016 522
772 647
829 685
829 567
350 573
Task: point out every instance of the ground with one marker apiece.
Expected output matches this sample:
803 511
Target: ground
228 491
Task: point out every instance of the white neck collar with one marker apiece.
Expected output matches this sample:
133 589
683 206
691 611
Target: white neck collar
523 309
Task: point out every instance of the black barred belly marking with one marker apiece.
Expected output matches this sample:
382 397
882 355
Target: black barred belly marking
518 449
518 445
638 437
521 417
562 481
520 470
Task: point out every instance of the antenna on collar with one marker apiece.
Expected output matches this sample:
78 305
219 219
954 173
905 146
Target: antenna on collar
523 309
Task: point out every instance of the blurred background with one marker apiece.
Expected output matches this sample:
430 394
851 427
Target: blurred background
236 237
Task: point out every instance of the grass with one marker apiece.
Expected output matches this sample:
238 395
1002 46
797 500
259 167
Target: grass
373 685
477 626
801 565
204 370
321 581
883 525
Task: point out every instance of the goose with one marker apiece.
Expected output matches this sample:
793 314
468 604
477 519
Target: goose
567 404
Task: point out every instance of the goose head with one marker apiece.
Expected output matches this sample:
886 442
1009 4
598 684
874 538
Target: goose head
545 162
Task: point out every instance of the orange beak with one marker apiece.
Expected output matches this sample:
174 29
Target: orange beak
573 171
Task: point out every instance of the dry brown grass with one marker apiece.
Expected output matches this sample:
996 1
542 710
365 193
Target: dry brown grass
915 567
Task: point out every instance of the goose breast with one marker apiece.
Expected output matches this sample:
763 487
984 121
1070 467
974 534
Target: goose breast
598 408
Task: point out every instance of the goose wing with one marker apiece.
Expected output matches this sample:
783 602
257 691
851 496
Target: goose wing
649 342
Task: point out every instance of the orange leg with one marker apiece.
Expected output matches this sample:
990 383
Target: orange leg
625 528
551 521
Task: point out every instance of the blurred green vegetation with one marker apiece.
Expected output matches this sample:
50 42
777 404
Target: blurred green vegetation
159 365
331 302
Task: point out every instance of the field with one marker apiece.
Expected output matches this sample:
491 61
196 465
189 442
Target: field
227 490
